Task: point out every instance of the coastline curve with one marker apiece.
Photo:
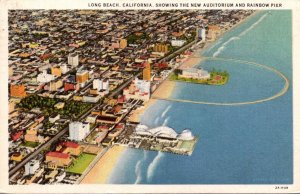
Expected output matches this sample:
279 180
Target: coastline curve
277 95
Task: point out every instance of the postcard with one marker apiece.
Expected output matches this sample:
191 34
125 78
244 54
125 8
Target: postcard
149 97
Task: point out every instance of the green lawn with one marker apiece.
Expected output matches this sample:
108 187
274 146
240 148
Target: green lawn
81 163
30 144
223 78
188 145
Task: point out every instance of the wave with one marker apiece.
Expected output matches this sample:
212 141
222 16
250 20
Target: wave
138 168
254 24
214 45
166 121
223 46
165 111
152 166
156 120
138 172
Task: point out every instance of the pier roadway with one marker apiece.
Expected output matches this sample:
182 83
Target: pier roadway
277 95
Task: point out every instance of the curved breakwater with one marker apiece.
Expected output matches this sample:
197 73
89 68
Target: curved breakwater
239 144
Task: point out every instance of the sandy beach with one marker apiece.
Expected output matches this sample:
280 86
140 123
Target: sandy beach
100 173
135 116
190 62
165 89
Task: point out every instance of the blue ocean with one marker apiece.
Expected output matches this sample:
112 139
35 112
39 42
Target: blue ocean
243 144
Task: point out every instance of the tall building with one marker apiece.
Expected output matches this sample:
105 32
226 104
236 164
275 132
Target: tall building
97 84
82 76
64 68
105 85
101 85
17 91
78 131
202 34
73 60
56 71
123 43
161 48
138 89
31 167
147 72
142 85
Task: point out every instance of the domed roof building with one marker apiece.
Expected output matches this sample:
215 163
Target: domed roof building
185 135
161 131
164 131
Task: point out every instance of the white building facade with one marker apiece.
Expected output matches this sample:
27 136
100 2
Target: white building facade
31 167
44 77
178 43
194 73
202 34
78 131
73 60
139 90
97 84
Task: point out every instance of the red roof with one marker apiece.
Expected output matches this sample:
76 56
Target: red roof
70 144
120 126
45 56
58 155
17 135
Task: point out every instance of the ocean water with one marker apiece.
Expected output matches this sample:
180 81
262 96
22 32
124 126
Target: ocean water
248 144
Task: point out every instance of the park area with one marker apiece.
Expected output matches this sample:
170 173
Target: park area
81 163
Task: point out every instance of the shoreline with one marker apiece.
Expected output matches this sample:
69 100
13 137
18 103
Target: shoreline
209 44
166 90
103 169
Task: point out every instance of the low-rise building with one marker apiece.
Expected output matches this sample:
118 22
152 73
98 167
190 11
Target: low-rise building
56 71
58 159
31 167
59 105
18 91
93 98
54 118
69 147
178 43
31 135
44 77
194 73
